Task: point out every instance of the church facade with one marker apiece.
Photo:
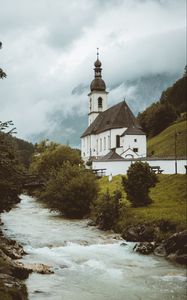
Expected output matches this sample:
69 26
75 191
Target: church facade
112 132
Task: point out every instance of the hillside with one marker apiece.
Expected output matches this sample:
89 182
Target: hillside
163 144
155 118
169 203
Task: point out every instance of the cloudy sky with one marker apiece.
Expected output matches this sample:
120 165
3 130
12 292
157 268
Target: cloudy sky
49 47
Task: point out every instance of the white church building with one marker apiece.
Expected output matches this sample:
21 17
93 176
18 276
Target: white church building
114 140
110 128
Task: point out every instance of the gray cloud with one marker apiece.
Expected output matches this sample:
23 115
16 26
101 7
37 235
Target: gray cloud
49 48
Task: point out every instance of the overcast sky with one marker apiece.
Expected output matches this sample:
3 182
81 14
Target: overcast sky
49 47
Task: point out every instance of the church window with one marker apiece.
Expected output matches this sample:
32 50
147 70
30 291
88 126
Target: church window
108 142
100 144
90 104
97 146
135 140
104 143
135 149
117 141
100 102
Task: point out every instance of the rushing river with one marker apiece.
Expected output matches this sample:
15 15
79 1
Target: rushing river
88 264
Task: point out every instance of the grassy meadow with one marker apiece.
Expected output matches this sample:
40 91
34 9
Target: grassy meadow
169 202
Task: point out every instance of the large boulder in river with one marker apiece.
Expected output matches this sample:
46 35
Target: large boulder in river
140 233
176 247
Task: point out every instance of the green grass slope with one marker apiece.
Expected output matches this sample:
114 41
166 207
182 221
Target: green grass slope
169 202
163 144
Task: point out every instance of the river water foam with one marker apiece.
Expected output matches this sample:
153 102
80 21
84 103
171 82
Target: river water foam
88 264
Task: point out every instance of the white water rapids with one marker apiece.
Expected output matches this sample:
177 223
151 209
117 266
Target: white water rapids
88 264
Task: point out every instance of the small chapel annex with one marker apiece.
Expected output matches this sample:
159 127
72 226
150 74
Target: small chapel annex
112 133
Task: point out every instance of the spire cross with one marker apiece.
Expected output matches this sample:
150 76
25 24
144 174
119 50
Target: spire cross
97 53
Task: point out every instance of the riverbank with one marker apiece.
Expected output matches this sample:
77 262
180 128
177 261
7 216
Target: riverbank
158 225
11 274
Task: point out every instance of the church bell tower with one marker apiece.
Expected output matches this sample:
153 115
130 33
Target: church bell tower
98 94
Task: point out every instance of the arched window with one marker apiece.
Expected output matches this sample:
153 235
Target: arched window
108 142
104 143
100 102
101 145
117 141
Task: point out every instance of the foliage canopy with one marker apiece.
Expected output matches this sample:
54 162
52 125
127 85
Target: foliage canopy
71 189
138 182
164 112
10 169
51 156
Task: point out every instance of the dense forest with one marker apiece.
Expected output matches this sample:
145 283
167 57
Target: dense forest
171 107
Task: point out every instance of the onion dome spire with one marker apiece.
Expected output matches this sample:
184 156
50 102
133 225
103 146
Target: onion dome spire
98 83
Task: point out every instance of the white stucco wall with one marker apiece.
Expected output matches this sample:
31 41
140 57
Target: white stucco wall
121 167
135 141
95 145
112 167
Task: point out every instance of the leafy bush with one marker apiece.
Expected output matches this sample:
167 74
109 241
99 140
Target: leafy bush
71 189
107 209
138 182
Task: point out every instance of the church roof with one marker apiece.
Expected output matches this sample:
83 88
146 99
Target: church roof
112 155
133 130
117 116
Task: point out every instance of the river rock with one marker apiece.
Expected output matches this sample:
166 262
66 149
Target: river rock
140 233
144 247
123 244
38 268
176 241
11 248
12 288
160 250
176 247
10 267
91 223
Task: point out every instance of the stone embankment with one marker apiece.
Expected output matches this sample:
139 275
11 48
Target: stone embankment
173 248
13 272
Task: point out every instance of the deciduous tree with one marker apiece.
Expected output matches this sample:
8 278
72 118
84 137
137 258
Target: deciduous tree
138 182
70 190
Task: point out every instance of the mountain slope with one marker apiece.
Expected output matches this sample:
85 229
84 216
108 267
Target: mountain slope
155 118
163 144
